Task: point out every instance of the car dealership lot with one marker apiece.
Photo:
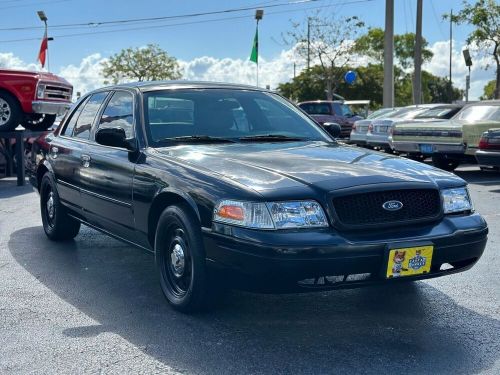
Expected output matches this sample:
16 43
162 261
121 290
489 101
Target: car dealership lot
94 305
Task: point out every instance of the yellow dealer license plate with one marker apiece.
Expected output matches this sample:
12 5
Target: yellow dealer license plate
409 261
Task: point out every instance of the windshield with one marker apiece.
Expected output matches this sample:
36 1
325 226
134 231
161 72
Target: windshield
200 114
479 113
384 112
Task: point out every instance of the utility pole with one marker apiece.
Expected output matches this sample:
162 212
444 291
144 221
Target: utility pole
388 92
417 80
308 43
451 51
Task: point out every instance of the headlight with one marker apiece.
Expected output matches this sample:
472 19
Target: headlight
40 91
456 200
271 215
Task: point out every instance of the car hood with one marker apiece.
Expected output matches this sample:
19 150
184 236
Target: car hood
317 165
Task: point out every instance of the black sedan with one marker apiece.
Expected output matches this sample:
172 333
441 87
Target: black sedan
235 186
488 154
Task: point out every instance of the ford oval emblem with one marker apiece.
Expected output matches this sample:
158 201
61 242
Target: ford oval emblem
392 205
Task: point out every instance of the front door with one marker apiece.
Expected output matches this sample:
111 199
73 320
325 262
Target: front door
107 184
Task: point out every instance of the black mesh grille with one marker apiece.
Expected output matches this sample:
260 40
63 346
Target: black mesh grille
366 208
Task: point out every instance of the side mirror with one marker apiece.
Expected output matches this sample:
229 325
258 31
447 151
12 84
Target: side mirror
332 128
114 137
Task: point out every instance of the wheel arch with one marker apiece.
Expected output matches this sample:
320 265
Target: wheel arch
42 168
12 95
161 201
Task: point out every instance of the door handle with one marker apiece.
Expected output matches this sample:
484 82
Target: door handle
53 152
86 160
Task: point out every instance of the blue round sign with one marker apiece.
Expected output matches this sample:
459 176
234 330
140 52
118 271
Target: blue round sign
350 77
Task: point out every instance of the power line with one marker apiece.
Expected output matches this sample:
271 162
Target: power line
48 2
174 24
179 16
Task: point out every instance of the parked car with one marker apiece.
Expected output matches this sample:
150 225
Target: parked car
488 154
360 127
32 99
379 134
452 142
231 185
336 111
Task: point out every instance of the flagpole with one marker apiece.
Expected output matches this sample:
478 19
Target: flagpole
259 13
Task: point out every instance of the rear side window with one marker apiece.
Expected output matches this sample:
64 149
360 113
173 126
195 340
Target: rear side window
87 116
70 125
119 113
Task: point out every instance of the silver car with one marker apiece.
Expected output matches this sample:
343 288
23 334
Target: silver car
380 132
360 127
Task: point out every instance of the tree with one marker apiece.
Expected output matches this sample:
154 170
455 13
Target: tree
328 41
484 15
309 85
488 91
371 44
142 64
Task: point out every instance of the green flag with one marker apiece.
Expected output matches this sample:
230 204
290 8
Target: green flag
254 56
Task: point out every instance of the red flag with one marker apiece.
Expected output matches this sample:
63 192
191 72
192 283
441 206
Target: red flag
43 49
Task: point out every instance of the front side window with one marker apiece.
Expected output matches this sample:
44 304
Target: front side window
343 110
119 112
88 114
224 113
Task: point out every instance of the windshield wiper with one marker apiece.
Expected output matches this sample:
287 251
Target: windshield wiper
198 138
271 138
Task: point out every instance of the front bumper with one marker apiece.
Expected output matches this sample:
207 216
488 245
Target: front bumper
50 108
271 261
488 158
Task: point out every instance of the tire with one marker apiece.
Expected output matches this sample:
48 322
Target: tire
10 112
441 162
184 278
57 224
43 123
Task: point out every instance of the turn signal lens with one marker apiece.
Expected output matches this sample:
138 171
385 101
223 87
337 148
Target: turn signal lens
231 212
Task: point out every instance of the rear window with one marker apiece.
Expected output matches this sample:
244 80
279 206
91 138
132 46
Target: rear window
479 113
316 108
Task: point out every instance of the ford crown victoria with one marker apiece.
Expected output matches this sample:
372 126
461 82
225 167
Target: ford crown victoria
235 186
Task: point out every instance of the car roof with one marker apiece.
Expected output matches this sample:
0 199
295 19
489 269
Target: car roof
321 101
145 86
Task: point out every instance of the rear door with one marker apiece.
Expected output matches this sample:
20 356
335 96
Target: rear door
67 151
107 197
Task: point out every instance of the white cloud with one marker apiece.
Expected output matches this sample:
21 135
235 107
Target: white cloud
8 60
440 65
87 76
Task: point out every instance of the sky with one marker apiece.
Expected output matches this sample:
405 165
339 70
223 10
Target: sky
210 47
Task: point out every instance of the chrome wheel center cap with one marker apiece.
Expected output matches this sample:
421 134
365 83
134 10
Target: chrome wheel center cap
177 260
50 206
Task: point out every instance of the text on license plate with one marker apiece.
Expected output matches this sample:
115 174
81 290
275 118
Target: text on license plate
409 261
426 149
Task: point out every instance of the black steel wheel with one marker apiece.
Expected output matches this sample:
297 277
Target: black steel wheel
180 260
57 224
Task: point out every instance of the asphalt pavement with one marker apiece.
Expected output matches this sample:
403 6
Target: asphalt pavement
94 305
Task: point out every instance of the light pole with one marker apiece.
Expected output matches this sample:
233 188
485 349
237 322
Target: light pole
259 13
44 19
468 63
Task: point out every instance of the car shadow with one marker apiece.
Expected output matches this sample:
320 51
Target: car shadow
410 327
480 177
9 188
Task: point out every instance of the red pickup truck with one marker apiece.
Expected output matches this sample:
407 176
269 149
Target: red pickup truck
32 99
